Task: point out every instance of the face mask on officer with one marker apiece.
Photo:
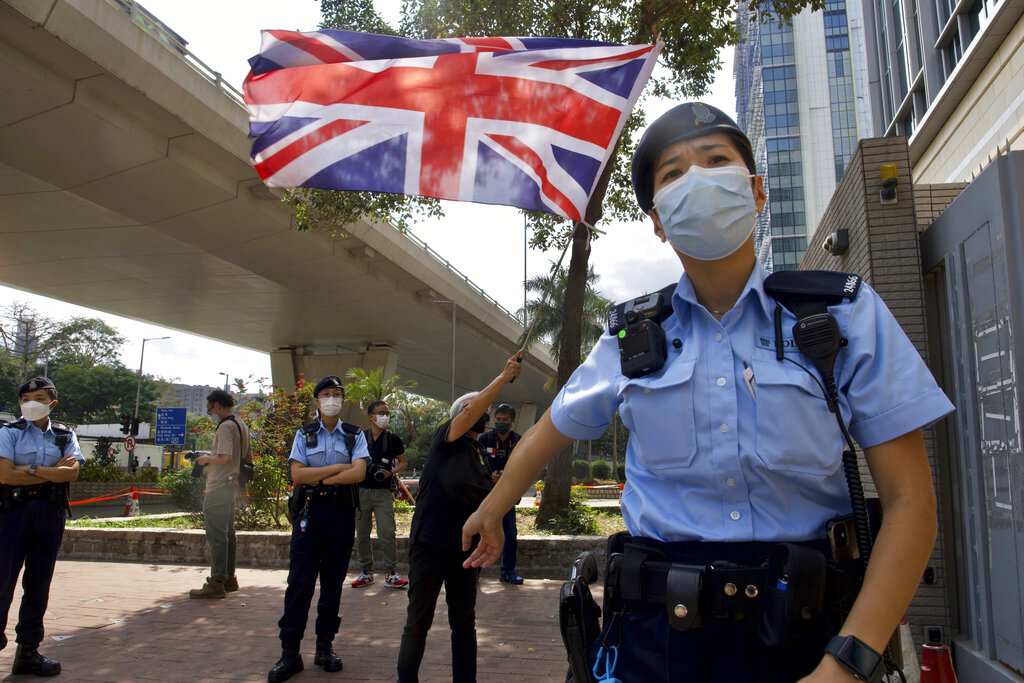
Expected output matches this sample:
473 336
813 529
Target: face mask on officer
382 420
708 213
34 410
330 406
502 427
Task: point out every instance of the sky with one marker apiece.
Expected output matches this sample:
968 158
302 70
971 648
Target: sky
224 34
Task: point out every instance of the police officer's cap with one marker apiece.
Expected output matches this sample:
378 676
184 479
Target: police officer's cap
326 383
35 384
685 121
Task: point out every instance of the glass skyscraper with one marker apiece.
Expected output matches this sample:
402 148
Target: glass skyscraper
797 90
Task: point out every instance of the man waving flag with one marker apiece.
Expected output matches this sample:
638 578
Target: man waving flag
527 122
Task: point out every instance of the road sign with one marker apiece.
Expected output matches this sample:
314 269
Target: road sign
129 443
170 426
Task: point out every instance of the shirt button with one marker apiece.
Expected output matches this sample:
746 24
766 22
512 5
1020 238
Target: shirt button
724 428
730 481
721 381
718 336
734 515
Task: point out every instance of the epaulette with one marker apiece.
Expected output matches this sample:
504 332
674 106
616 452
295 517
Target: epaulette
60 427
20 423
351 429
656 306
796 289
311 428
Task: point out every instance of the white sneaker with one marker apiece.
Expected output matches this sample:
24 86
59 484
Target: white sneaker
395 580
364 579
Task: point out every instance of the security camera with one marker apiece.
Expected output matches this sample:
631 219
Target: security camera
837 242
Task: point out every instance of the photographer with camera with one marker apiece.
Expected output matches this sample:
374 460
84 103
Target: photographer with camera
230 443
387 459
327 461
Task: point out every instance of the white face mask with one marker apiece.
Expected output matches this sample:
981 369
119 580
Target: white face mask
382 420
34 410
330 406
708 213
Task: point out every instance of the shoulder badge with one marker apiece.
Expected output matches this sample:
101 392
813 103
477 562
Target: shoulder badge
20 423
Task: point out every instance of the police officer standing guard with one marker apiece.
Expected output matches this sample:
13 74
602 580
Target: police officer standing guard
735 462
328 460
38 459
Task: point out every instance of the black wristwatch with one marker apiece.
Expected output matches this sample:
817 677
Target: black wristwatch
857 657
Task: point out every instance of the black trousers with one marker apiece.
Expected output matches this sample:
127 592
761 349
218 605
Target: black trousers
651 651
429 568
30 535
321 549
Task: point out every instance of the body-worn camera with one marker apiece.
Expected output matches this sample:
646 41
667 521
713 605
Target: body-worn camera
642 347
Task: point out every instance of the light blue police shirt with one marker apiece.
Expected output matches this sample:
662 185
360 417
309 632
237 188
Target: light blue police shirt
710 458
330 448
33 446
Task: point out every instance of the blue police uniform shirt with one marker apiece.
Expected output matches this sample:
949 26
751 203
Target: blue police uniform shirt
710 458
33 446
330 448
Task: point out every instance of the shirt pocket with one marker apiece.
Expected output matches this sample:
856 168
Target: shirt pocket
316 456
795 430
659 412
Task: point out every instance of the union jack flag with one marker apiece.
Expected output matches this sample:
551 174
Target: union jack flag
527 122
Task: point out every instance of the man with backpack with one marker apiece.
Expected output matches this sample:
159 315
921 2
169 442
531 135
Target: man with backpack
230 447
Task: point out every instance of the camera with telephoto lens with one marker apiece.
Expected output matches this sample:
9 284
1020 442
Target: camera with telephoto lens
382 471
197 469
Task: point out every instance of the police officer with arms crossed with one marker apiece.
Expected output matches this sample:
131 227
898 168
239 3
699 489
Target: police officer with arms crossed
38 460
733 453
328 459
499 443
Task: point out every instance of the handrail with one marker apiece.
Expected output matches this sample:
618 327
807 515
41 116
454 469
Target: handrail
176 44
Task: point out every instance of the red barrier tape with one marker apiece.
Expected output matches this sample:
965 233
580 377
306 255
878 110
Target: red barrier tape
121 494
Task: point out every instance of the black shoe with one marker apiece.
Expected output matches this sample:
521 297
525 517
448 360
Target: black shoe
511 577
27 660
289 664
325 657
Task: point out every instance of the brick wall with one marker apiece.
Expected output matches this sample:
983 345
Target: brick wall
884 249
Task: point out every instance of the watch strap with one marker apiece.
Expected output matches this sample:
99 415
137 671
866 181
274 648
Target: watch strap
857 657
32 469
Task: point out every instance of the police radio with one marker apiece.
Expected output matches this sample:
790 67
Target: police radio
636 324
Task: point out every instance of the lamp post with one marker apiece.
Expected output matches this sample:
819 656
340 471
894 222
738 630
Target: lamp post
449 301
226 387
138 389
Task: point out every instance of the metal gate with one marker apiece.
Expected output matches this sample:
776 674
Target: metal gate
974 256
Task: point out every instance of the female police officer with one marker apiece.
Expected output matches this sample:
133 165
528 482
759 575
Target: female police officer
328 459
732 450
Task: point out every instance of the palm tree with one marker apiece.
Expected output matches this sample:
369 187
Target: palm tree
366 387
548 312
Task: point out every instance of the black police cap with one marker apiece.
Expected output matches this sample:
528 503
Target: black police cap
35 384
326 383
685 121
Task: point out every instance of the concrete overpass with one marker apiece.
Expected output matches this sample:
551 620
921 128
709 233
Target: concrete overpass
125 186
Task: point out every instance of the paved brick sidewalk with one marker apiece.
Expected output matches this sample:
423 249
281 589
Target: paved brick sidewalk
134 622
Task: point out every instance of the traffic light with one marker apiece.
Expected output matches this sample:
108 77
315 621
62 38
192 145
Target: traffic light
135 426
126 424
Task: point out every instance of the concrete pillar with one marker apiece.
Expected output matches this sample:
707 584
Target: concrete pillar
526 417
282 369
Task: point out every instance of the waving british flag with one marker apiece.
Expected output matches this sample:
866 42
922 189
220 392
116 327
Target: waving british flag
527 122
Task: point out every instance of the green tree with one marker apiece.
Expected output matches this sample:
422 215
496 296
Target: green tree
548 311
83 341
693 33
414 419
23 333
366 387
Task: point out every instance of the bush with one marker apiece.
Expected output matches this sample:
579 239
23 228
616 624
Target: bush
580 470
620 472
265 497
183 489
90 470
601 469
149 475
578 519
